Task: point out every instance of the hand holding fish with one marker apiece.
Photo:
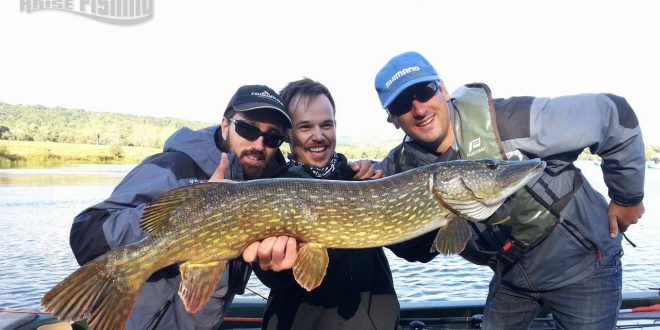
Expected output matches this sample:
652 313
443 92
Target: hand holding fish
273 253
365 170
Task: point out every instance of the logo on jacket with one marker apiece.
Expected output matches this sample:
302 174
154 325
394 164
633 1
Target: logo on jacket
514 155
474 147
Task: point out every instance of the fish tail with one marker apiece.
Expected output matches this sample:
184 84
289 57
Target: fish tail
101 291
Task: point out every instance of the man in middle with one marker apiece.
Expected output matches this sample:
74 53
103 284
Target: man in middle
357 291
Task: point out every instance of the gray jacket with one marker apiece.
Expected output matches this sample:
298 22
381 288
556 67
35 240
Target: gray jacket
189 157
557 130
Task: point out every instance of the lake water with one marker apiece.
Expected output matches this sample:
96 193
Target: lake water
38 205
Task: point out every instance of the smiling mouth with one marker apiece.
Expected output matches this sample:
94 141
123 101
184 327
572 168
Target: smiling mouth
255 157
318 149
426 122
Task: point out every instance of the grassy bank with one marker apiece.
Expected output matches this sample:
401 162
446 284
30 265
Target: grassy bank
28 153
37 154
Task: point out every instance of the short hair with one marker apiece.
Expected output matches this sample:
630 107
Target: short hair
304 87
230 113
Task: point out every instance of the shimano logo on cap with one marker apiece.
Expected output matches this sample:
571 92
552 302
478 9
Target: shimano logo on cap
400 74
267 95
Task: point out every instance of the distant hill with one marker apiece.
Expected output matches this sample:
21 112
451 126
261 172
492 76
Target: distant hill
46 124
39 123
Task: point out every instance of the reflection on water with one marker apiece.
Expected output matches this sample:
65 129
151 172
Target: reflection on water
38 205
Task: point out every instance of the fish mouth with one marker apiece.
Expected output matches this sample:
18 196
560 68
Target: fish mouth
481 208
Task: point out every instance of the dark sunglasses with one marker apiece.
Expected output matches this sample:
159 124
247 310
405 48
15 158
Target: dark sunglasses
420 92
252 133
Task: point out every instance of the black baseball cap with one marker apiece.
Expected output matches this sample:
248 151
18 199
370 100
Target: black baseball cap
253 97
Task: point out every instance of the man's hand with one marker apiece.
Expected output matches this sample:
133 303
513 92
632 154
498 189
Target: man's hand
621 217
273 253
219 174
365 170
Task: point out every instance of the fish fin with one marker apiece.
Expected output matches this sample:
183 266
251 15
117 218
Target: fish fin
198 282
104 297
453 237
155 215
473 209
309 269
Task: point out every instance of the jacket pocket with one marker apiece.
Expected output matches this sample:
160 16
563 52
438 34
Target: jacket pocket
564 258
583 240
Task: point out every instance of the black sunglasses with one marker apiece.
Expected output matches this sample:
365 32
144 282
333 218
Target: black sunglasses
252 133
420 92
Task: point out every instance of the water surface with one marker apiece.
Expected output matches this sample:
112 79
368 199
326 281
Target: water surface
37 207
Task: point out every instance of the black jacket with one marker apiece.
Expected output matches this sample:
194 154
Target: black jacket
356 293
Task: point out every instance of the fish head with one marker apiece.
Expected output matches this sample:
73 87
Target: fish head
475 189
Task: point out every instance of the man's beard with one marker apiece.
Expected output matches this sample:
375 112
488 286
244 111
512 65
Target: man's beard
249 171
252 171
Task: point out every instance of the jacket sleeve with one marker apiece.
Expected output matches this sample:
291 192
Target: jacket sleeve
560 128
115 221
388 164
416 249
274 280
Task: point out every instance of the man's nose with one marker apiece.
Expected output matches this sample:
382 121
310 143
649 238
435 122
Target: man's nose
418 109
317 133
258 144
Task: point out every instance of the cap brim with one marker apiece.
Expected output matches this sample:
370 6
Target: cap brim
259 105
407 84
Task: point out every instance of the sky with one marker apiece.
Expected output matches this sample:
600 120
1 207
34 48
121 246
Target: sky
191 57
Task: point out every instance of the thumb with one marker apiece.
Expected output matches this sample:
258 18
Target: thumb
219 173
614 224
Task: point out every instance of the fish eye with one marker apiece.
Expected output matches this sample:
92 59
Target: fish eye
491 164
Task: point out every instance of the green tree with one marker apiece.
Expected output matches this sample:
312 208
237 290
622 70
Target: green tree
4 132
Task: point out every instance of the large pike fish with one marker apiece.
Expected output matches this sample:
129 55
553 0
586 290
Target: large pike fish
201 227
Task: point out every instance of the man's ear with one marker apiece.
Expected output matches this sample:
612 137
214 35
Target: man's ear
224 128
287 134
445 92
393 120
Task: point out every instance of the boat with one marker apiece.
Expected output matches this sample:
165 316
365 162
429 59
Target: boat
639 310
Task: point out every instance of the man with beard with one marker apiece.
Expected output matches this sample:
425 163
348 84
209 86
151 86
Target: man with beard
250 133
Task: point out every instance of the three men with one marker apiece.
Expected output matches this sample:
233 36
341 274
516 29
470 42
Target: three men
556 247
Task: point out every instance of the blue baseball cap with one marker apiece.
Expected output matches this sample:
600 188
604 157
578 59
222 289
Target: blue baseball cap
401 72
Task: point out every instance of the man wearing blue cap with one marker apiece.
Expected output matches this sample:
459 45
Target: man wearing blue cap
551 246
